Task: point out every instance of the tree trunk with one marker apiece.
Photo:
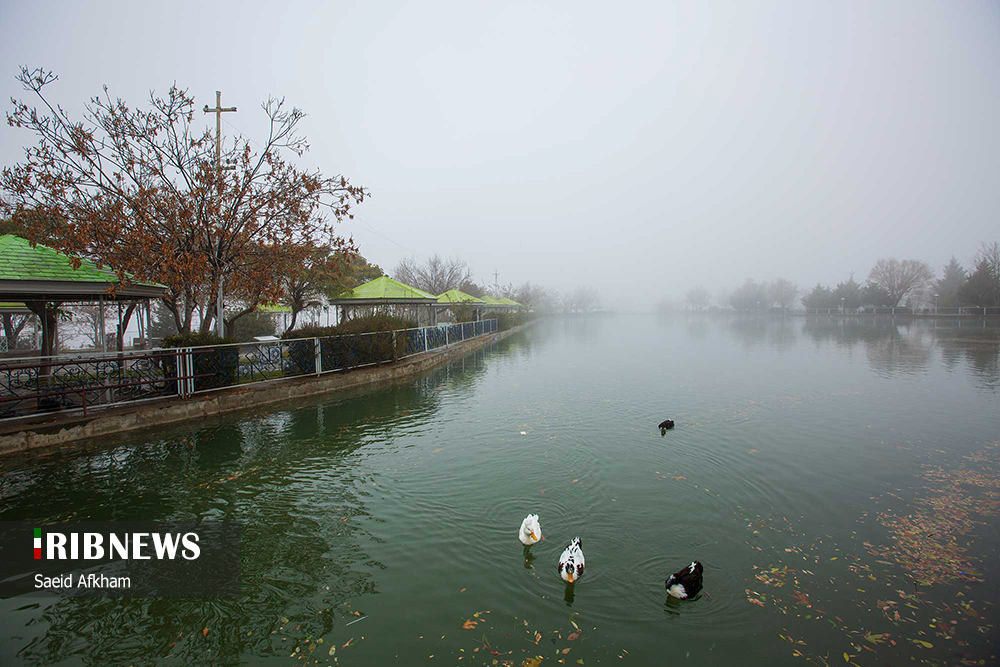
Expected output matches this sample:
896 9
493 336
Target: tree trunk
12 328
126 318
295 316
48 314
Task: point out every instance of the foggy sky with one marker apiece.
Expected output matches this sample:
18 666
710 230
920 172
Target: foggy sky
603 144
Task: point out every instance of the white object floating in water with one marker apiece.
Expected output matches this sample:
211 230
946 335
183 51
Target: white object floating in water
531 531
524 433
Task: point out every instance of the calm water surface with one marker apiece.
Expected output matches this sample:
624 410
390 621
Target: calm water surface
838 479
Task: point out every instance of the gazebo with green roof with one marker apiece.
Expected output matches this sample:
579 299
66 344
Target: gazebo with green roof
387 295
44 279
456 297
511 302
493 303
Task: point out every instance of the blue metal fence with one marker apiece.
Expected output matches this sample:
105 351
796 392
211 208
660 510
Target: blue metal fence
32 385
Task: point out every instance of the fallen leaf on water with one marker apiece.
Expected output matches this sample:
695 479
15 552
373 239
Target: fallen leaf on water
576 480
754 451
348 643
565 651
573 637
679 477
204 633
469 624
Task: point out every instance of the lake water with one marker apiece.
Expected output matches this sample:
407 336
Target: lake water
838 479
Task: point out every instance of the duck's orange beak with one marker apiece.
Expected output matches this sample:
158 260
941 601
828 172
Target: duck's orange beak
533 537
570 575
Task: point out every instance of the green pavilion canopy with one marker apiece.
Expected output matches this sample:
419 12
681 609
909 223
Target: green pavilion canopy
384 290
14 307
494 303
384 293
273 308
44 279
511 302
41 274
454 296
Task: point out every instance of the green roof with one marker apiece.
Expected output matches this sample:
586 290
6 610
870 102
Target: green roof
13 306
457 296
386 288
273 308
487 299
509 301
19 261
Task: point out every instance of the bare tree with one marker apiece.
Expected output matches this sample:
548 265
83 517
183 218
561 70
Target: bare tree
436 275
583 300
85 321
901 278
697 298
990 253
13 324
783 292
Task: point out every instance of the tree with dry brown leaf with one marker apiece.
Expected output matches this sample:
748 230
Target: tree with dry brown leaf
138 190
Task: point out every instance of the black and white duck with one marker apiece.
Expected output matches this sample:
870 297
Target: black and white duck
571 563
666 423
686 582
531 531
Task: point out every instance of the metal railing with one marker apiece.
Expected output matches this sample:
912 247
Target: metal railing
905 310
30 386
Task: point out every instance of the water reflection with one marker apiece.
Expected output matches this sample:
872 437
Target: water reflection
777 332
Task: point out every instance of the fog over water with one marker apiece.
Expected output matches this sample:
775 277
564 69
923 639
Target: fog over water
665 144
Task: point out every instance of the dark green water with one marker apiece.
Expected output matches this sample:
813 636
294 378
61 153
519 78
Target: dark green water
819 469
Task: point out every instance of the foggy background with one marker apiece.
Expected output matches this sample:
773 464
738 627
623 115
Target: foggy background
647 145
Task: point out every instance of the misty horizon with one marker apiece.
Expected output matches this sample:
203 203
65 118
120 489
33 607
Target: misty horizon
662 146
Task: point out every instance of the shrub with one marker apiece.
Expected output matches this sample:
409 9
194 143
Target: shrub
464 313
213 367
357 342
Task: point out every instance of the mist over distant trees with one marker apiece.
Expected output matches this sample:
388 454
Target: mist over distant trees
891 282
782 293
901 278
750 296
697 298
982 287
950 283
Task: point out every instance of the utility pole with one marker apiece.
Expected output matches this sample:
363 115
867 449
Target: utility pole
220 322
496 283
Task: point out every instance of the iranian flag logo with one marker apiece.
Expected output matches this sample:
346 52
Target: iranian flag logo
38 543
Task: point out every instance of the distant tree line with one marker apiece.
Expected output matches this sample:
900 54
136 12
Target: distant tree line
891 283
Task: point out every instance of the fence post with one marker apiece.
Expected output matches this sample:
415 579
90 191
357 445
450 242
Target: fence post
318 352
425 339
447 332
189 370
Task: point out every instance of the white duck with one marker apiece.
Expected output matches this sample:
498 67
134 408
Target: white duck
571 563
531 531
